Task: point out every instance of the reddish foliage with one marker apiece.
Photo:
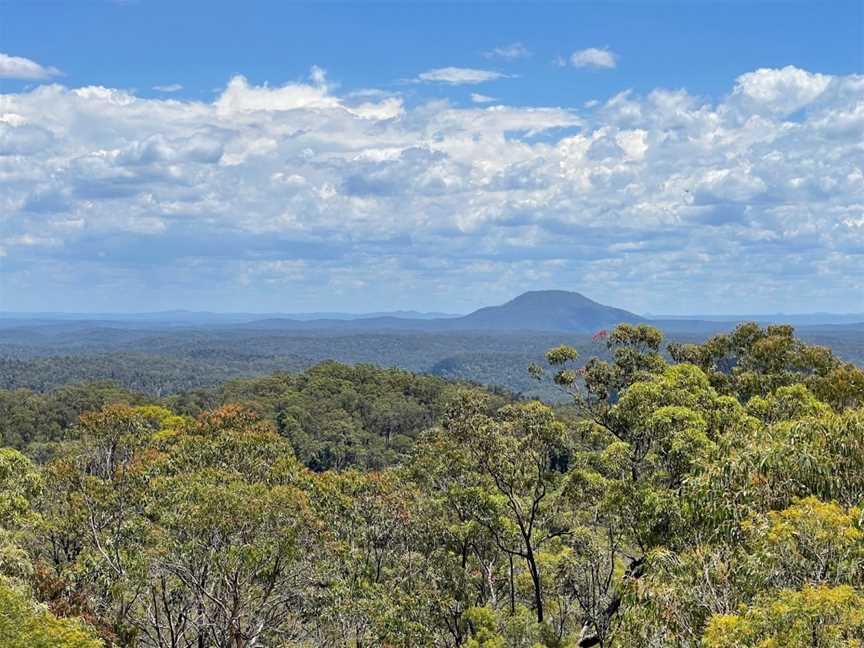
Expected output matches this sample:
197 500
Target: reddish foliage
228 418
64 601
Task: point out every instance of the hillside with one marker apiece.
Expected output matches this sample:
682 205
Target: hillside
334 415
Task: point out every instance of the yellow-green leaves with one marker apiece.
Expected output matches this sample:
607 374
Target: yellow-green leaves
842 387
561 354
25 624
484 631
814 617
642 336
785 404
752 361
20 484
809 542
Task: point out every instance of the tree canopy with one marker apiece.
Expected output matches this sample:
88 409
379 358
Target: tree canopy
702 496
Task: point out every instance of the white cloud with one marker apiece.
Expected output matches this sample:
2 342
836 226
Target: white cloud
476 97
18 67
240 97
459 76
387 108
781 91
318 76
594 58
299 186
171 87
508 52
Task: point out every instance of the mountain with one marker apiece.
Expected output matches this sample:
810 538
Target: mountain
548 310
540 310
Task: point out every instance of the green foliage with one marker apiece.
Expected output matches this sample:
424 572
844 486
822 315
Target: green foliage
25 624
339 416
335 416
29 420
810 541
561 354
821 617
484 633
766 468
752 361
785 404
710 501
20 484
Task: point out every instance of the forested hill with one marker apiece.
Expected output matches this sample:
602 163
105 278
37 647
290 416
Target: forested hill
334 415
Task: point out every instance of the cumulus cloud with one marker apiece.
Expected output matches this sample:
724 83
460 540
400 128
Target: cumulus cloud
171 87
779 91
476 97
594 58
18 67
459 76
239 97
272 191
508 52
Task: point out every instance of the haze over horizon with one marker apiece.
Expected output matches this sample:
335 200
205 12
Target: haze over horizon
425 314
363 158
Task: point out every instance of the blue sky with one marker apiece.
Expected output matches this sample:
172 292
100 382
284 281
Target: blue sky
667 157
200 44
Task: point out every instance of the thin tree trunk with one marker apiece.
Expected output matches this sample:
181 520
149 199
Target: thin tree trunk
535 578
512 588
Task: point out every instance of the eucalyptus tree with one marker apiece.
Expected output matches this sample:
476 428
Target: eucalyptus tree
516 455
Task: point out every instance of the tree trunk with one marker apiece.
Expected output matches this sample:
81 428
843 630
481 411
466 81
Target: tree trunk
512 588
535 578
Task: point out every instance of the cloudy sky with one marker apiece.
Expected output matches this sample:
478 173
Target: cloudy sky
672 157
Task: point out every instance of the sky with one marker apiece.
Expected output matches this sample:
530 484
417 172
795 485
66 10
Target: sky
665 157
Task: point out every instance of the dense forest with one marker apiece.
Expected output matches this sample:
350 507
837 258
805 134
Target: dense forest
334 415
688 494
167 360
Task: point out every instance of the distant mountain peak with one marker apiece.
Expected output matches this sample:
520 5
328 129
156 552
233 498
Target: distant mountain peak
560 295
549 310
